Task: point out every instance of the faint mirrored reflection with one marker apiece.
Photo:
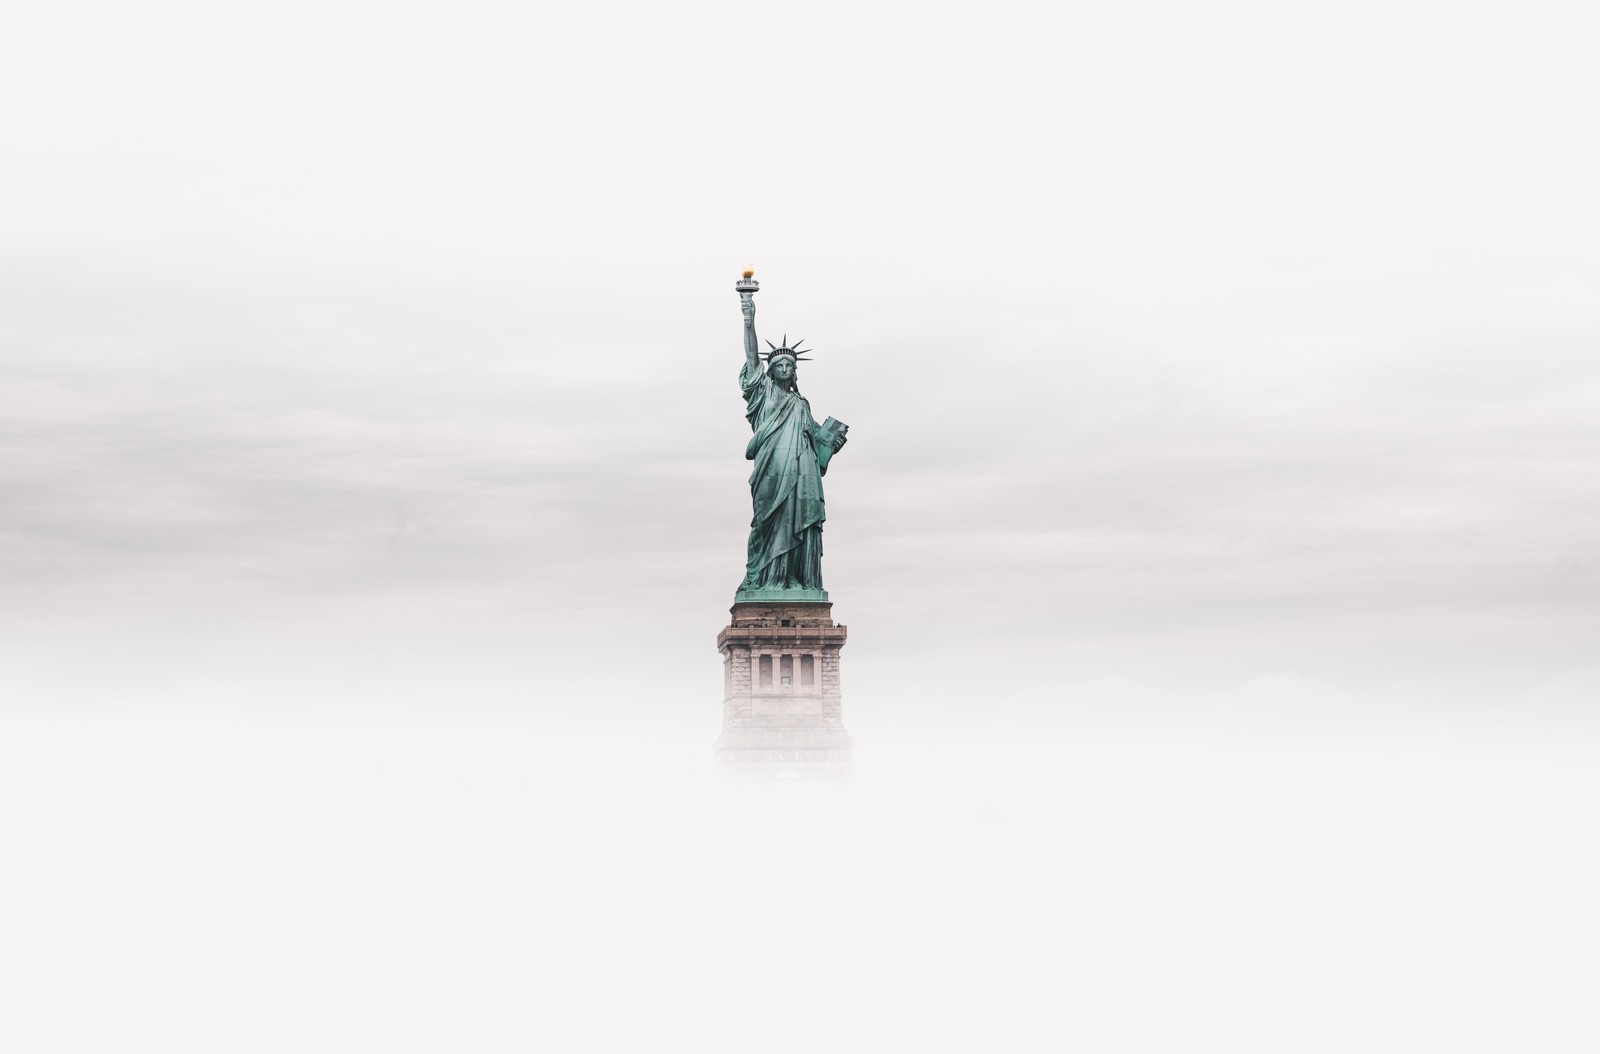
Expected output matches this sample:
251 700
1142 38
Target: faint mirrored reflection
789 747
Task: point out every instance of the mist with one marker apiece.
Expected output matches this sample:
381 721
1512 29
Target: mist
1216 535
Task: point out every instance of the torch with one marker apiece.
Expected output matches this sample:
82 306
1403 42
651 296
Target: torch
747 284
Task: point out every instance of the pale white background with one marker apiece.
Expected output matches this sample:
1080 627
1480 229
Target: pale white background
1217 533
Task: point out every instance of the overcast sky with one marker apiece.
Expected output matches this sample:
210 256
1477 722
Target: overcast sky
1217 534
1206 344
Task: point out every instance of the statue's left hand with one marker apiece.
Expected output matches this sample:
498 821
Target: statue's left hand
839 441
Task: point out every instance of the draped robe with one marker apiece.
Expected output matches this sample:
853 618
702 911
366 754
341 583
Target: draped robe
785 548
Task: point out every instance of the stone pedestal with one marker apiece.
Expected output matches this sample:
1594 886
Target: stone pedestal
781 712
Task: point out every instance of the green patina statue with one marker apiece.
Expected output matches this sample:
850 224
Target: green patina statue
791 454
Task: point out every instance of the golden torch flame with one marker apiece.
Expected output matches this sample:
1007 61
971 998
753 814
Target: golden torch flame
749 272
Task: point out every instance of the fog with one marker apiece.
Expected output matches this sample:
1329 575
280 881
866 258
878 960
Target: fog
1216 535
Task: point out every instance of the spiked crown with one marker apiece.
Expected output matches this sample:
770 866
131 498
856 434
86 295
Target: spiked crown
784 350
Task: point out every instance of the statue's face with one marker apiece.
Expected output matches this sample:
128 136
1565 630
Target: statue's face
783 369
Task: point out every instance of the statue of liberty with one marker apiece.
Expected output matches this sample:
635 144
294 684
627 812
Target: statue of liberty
791 453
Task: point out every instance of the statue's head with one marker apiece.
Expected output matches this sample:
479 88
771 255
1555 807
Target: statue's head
782 360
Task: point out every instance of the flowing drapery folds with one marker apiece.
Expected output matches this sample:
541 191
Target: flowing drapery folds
790 451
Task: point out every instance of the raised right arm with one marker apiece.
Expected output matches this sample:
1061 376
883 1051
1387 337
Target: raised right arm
747 302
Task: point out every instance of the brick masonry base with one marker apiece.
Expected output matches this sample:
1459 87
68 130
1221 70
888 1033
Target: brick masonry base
781 711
